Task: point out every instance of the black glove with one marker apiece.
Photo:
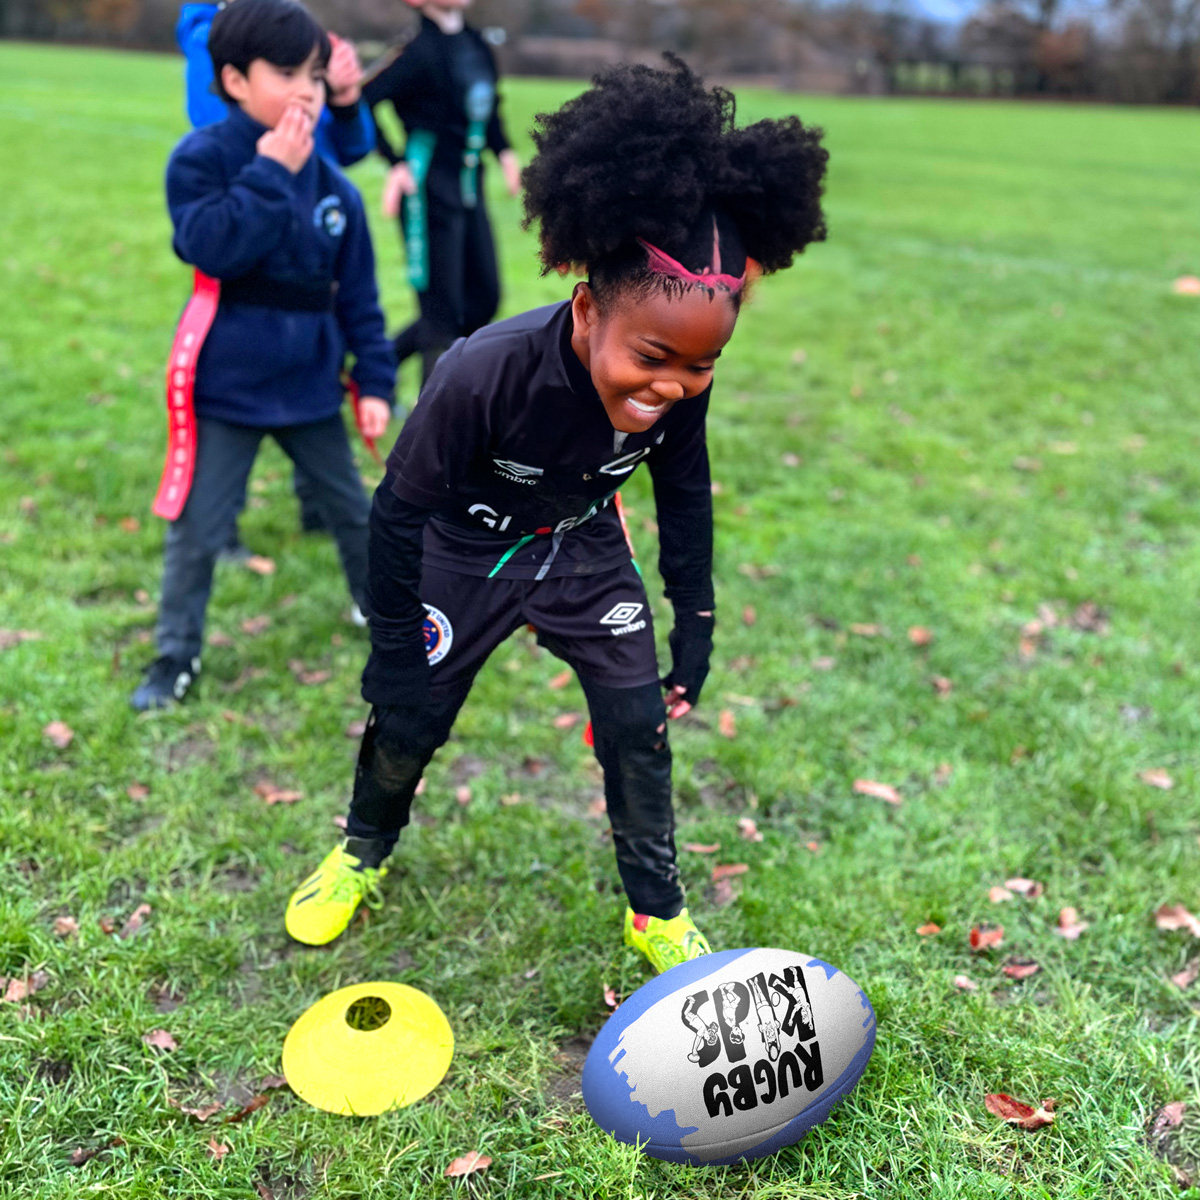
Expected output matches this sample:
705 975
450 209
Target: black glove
397 678
691 648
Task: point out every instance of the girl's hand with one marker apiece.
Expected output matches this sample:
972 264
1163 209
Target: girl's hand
343 76
400 182
691 649
373 416
290 143
510 165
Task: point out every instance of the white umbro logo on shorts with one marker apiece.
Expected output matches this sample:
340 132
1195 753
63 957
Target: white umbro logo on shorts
624 617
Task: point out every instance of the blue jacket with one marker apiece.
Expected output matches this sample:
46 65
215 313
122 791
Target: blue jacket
297 249
343 135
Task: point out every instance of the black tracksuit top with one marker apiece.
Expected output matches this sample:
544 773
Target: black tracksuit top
427 84
508 465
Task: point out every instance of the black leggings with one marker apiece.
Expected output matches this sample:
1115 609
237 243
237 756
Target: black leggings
630 736
463 292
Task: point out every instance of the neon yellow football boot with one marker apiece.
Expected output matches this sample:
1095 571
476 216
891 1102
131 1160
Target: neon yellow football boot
324 904
665 943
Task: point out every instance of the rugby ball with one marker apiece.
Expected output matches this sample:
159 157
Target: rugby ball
729 1057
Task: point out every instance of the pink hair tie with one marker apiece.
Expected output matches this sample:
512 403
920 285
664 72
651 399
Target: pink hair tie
711 277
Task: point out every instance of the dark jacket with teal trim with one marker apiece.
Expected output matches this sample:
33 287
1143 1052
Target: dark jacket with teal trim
294 257
426 84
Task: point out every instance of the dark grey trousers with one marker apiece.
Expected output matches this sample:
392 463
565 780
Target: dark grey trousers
225 454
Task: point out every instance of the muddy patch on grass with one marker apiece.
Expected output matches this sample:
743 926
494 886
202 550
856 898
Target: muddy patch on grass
236 878
196 749
563 1084
1174 1137
165 997
54 1071
275 1184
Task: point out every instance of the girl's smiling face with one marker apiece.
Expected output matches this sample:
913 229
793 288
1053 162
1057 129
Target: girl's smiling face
648 353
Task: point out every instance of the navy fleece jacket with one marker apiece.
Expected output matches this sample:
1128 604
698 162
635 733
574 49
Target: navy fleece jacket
241 216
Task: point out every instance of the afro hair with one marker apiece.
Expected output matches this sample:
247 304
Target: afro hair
653 154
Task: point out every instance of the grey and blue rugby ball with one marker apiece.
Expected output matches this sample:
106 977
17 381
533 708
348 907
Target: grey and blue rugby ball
729 1057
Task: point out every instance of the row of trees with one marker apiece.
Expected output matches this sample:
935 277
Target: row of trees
1142 51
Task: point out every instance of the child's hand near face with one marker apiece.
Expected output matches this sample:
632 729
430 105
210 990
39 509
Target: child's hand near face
373 416
343 76
291 141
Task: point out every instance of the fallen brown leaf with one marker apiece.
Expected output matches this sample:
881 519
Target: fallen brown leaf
702 847
274 1082
1188 976
276 795
824 663
60 733
217 638
136 919
1069 925
304 676
218 1150
340 820
726 870
355 729
748 828
137 791
755 571
1020 968
21 989
468 1164
1018 1113
462 795
256 625
813 846
107 925
252 1106
722 893
1029 888
1025 462
79 1155
610 998
727 724
749 615
201 1114
260 564
920 636
941 684
928 929
14 637
130 524
965 983
1158 777
598 807
881 791
1186 285
984 937
567 720
65 926
867 631
942 773
1167 1117
561 680
510 799
998 895
1175 916
160 1039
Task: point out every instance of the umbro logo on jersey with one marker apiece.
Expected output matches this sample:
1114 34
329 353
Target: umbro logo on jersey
626 463
623 616
517 472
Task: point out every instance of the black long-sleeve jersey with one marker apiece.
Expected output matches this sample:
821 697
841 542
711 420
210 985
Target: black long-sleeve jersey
507 468
432 84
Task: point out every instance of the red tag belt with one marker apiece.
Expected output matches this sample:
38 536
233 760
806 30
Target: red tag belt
180 466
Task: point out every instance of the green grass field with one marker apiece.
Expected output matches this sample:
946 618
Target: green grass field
973 408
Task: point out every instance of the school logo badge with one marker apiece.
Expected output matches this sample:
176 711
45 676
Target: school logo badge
721 1022
623 616
439 634
330 216
517 472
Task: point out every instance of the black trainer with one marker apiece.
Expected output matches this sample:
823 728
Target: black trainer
166 681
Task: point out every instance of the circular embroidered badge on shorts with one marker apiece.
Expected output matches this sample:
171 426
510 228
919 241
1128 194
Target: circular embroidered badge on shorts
439 634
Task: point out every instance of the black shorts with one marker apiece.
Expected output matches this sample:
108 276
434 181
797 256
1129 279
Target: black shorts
600 625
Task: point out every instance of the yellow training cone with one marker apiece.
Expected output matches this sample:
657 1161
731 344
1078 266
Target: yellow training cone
368 1048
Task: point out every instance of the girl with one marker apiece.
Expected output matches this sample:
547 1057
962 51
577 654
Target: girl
497 511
